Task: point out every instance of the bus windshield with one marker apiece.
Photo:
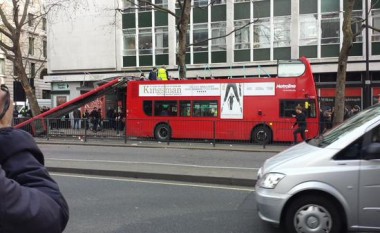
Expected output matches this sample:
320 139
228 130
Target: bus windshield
293 68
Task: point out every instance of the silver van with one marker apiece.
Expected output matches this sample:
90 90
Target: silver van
327 184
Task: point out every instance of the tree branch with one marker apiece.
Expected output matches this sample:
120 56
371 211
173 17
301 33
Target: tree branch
371 27
25 12
5 21
5 47
5 33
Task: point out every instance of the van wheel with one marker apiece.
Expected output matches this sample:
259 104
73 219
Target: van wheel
162 132
262 135
312 214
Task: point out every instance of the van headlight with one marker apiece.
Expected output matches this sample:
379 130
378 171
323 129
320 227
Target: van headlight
270 180
259 173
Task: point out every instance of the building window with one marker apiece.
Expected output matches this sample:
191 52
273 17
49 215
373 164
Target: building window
2 66
144 5
330 28
162 3
242 34
145 41
281 31
200 36
375 24
44 48
129 42
128 6
308 29
161 36
357 25
46 94
218 2
31 46
200 3
261 34
44 24
30 20
32 70
218 30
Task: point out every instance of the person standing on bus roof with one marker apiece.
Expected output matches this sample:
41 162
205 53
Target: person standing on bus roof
153 74
162 74
301 122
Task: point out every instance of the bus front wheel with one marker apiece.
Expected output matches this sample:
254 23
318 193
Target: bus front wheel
162 132
262 134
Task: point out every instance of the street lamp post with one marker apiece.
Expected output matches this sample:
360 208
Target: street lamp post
367 80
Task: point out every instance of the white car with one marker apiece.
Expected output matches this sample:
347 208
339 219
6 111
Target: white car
328 184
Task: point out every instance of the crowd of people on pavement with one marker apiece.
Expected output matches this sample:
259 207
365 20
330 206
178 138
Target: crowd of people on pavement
91 120
327 116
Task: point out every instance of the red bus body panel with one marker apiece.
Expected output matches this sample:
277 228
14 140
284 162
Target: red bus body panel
257 110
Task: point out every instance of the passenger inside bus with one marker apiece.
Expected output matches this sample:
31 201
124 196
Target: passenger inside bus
164 112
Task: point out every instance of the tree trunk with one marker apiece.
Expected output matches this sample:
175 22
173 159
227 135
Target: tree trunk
342 63
23 78
182 43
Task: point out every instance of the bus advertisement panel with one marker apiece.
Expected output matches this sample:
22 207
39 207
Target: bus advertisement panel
256 109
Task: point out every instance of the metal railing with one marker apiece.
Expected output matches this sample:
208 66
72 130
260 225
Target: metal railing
206 131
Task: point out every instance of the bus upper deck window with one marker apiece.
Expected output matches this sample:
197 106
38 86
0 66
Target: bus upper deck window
292 68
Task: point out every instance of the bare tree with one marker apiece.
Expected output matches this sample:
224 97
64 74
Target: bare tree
15 19
348 38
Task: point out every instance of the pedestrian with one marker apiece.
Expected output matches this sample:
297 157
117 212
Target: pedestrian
110 117
86 116
100 120
77 116
301 123
94 119
162 74
328 117
120 121
153 74
355 110
347 113
142 76
31 201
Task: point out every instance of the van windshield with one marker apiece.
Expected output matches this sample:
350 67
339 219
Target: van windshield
347 126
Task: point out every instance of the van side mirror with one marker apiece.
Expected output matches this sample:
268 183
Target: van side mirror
372 151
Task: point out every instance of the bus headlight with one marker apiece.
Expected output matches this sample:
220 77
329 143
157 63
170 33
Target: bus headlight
270 180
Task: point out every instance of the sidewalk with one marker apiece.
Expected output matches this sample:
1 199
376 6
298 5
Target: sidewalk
159 171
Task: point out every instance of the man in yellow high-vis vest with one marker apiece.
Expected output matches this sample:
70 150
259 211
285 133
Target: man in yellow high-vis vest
162 74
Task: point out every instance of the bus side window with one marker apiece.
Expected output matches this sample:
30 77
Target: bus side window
165 108
148 107
184 108
287 108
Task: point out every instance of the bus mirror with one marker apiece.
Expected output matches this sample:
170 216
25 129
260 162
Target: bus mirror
260 113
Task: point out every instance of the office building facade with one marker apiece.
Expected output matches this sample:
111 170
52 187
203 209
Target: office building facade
116 37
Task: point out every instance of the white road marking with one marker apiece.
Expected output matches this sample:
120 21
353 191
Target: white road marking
150 163
155 182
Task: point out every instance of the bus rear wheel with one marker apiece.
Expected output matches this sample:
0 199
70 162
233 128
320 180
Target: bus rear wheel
262 135
162 132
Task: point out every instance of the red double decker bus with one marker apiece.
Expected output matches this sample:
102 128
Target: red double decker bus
256 109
